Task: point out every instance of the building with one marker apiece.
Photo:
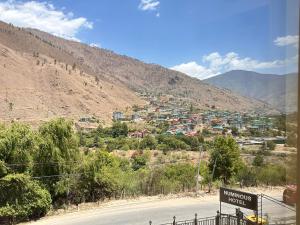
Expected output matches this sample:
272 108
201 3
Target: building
118 116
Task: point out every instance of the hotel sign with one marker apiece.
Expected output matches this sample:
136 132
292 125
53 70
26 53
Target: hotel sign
238 198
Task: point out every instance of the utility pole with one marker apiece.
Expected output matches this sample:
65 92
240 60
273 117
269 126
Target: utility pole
198 170
6 96
212 176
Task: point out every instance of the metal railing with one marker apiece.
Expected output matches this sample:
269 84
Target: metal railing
224 219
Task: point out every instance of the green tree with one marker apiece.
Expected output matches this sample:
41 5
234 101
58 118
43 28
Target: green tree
148 142
26 198
17 144
3 169
100 177
191 108
271 145
234 131
135 108
140 160
172 142
119 129
205 132
225 152
57 154
258 160
82 138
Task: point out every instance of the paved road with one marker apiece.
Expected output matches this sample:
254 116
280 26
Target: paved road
159 211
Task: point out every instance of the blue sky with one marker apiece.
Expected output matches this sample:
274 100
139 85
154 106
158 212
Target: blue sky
202 38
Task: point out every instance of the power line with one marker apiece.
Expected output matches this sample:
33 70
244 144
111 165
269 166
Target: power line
61 175
41 163
277 202
73 162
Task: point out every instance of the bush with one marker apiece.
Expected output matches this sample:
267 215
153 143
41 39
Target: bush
271 145
171 179
272 175
26 198
172 142
100 178
139 161
119 129
246 176
258 160
148 142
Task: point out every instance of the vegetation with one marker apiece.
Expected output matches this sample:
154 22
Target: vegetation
26 198
46 166
115 138
54 166
225 160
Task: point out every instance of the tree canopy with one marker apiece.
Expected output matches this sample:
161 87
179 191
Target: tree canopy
225 156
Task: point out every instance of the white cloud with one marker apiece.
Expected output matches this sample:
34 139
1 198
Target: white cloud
157 14
194 70
148 5
95 45
232 61
43 16
215 63
287 40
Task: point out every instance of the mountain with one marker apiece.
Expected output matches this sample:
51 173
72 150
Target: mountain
37 88
113 79
280 91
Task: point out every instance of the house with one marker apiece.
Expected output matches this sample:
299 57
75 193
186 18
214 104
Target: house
260 125
87 119
118 116
87 123
136 117
139 134
217 127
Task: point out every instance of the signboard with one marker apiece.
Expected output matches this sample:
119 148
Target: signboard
238 198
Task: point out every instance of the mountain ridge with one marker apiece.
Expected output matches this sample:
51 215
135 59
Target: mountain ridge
280 91
124 72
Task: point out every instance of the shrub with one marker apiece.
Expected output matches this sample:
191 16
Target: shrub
139 161
258 160
246 176
271 145
148 142
26 198
272 175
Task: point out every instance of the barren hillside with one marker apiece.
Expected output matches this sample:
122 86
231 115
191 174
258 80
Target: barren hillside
51 93
153 78
35 88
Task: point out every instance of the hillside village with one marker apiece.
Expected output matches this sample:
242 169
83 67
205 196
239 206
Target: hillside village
178 117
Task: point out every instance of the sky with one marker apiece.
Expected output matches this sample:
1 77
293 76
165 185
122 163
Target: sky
202 38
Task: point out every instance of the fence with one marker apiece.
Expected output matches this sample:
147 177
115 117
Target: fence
225 219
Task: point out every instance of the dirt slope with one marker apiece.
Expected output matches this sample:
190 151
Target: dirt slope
38 88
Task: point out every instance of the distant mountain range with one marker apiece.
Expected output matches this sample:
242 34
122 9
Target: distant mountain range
96 81
280 91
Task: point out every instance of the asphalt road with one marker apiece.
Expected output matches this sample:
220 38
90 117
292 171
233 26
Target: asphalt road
159 211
